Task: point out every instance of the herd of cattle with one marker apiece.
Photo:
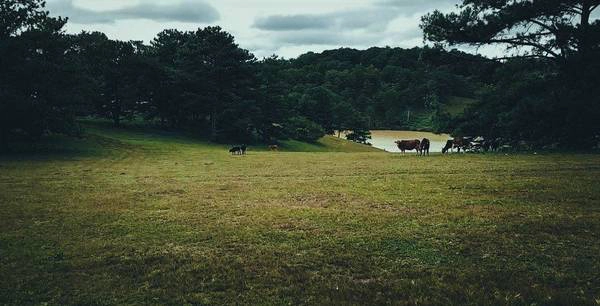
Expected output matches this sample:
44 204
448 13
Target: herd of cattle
467 144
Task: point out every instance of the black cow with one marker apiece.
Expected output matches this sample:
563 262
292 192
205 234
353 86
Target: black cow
236 151
425 145
448 146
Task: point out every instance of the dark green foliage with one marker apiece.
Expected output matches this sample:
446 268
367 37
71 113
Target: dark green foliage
205 81
18 16
360 136
548 90
218 78
202 81
442 121
303 129
163 80
556 29
38 75
379 84
114 71
359 129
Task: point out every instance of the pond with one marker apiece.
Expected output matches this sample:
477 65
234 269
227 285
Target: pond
385 139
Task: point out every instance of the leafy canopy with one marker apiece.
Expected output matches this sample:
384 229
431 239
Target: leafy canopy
554 29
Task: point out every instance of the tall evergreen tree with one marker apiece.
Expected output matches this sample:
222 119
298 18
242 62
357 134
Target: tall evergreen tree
35 70
559 36
219 75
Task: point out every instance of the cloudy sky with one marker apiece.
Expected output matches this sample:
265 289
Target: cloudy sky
265 27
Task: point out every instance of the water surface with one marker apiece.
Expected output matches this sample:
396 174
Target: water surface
385 139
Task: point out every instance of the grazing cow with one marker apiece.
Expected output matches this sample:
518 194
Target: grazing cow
491 145
457 143
478 145
235 151
273 148
495 145
244 148
409 145
425 145
463 143
448 146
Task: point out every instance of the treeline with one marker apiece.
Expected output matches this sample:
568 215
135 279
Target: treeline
204 82
344 89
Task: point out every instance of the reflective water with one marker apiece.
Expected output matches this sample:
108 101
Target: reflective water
385 139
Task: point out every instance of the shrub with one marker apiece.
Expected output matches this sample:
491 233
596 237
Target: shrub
303 129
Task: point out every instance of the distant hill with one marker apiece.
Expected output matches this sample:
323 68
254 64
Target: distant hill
380 86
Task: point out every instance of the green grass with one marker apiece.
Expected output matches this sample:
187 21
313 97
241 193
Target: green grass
327 144
153 218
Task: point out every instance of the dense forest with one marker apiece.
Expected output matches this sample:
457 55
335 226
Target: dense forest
202 81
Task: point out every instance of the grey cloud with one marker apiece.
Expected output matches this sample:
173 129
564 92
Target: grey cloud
356 27
313 38
185 11
374 19
292 22
371 19
410 7
342 38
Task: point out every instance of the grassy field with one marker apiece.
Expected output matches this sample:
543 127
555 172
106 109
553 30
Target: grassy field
141 218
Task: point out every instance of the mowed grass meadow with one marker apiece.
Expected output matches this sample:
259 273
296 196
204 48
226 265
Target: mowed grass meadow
140 217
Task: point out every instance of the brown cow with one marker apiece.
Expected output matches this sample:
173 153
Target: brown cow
409 145
425 145
457 143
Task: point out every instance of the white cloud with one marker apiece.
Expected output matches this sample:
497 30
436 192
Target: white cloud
265 27
110 12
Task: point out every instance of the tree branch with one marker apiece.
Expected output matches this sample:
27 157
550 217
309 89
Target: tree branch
545 26
524 56
518 42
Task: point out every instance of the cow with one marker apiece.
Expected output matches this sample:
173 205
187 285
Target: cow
491 145
425 145
457 143
274 148
478 145
236 151
244 148
448 146
409 145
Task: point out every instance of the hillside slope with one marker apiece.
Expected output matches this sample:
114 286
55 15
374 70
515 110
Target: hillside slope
153 137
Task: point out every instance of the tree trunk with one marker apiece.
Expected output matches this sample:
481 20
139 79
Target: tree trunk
116 114
213 124
3 139
584 46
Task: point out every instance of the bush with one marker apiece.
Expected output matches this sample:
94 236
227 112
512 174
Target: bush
359 136
303 129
